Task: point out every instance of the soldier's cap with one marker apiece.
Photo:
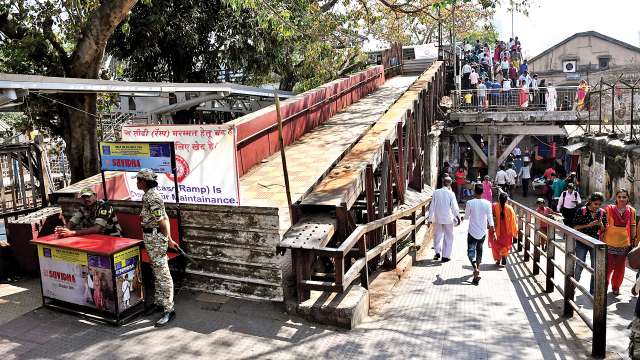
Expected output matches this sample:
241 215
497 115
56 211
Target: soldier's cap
86 192
146 174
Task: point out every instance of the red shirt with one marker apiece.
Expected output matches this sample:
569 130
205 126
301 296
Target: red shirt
460 177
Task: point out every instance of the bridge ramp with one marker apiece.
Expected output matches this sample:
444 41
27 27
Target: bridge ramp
312 156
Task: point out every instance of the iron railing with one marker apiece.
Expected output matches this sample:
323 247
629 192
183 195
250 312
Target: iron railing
513 100
529 223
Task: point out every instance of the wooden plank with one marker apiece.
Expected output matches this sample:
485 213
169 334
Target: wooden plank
311 232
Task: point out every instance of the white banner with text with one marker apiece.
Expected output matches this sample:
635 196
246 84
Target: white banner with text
205 161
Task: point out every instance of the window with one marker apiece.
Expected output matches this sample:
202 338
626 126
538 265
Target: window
603 63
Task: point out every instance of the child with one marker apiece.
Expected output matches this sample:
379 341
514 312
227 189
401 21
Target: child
546 211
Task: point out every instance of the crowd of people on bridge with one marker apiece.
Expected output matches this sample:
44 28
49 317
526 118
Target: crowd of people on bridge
498 76
614 224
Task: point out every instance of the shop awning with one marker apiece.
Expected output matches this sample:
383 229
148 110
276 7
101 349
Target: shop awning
571 149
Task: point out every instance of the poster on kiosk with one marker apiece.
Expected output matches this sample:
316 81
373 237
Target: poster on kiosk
205 159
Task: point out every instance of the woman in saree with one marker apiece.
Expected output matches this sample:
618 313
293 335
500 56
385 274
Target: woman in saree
620 237
523 95
581 94
506 227
487 192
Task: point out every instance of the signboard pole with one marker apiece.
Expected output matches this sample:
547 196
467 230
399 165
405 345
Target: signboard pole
104 182
174 168
284 159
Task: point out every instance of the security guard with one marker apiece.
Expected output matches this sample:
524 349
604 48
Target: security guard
156 233
92 217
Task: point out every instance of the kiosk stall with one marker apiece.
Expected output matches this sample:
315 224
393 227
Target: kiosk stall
94 275
100 276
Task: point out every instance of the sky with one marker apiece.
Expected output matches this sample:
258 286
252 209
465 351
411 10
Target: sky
551 21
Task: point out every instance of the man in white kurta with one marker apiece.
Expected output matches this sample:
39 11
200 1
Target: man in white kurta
443 214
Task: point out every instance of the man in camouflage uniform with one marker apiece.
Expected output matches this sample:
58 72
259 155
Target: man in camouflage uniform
156 233
92 217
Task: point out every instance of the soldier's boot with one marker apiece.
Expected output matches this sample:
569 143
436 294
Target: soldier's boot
166 317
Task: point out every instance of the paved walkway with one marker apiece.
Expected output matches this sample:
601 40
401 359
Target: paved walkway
434 313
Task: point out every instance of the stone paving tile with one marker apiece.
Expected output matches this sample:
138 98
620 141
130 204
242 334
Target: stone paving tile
434 313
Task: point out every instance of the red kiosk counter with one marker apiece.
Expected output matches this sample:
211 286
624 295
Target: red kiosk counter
94 275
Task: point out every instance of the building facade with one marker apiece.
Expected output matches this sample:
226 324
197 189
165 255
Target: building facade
586 56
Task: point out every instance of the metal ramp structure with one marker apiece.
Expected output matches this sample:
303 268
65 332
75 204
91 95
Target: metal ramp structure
350 222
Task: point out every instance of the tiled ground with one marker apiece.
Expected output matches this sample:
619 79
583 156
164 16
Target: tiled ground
311 156
435 313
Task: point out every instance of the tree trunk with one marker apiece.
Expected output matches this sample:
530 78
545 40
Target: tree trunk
287 82
81 137
80 126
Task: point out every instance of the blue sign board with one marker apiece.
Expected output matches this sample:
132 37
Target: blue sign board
134 156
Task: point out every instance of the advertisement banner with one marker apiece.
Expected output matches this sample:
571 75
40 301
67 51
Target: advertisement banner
129 284
128 156
75 277
205 160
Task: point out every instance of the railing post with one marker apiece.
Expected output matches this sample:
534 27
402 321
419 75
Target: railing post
551 251
521 227
536 252
570 272
527 237
364 273
339 266
600 303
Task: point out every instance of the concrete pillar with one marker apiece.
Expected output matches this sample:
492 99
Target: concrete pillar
492 142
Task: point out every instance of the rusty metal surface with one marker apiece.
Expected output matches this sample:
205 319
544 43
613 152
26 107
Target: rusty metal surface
346 181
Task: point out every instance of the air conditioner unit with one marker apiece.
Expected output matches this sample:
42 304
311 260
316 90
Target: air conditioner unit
569 66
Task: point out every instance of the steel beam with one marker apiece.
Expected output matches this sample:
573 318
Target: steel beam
494 129
476 148
509 148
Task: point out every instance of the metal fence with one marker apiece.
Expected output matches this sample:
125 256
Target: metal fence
23 189
538 244
515 99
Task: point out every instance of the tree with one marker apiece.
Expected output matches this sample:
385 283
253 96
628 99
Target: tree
66 38
309 41
416 22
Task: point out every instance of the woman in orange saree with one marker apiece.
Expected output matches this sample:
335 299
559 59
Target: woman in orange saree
506 229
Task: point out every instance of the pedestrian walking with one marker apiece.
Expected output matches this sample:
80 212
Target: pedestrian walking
619 235
542 227
461 179
558 185
501 178
156 233
590 220
443 214
525 175
506 228
568 204
512 177
487 191
478 211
